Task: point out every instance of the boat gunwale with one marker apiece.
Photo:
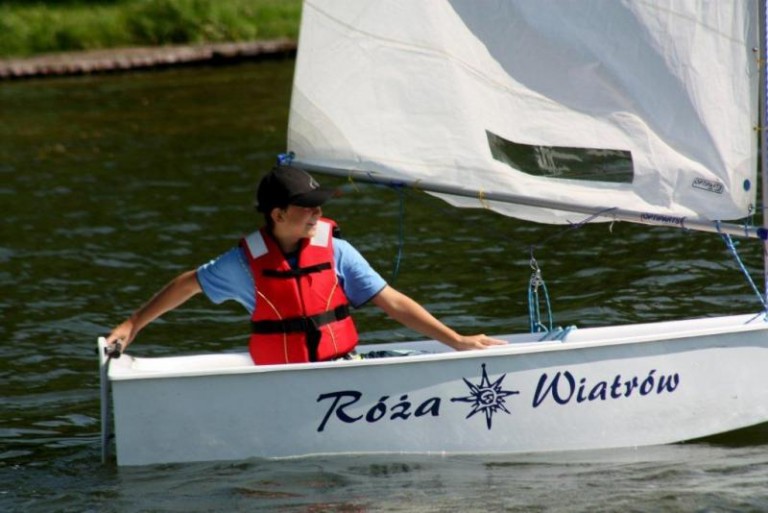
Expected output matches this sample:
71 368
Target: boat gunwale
724 324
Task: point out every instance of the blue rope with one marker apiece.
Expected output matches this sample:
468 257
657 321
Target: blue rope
400 232
401 189
558 334
536 281
732 248
534 301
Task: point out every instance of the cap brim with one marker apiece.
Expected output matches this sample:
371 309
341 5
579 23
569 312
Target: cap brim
313 198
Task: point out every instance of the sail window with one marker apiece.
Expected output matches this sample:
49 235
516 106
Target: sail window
589 164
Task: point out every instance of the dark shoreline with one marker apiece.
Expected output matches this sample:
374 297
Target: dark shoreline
127 59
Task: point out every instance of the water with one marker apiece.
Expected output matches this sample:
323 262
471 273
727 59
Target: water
112 185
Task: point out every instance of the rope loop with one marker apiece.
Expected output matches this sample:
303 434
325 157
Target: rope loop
536 283
483 201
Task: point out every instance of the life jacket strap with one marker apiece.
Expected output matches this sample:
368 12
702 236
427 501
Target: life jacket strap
300 324
295 273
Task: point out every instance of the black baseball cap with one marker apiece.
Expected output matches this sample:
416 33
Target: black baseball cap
289 185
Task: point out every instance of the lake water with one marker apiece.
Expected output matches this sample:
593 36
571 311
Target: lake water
112 185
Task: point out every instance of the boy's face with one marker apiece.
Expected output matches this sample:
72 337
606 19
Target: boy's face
300 222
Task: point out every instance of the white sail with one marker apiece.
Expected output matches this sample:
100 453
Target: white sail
648 106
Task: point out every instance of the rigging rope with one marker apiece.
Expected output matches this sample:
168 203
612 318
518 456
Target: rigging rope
535 283
400 232
732 248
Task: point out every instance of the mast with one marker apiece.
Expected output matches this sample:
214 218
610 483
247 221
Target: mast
763 104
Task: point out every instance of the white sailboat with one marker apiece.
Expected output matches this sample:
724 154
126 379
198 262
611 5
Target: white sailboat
547 111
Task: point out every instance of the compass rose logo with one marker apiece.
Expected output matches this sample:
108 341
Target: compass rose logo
486 397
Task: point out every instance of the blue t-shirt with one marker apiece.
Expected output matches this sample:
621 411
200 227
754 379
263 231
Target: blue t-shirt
229 276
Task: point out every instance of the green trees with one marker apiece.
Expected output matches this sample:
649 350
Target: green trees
28 28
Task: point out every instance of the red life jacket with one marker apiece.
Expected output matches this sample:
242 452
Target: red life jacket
301 314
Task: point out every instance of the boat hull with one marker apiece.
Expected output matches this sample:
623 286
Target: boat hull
597 388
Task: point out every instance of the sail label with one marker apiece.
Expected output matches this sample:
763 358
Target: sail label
662 219
489 397
708 185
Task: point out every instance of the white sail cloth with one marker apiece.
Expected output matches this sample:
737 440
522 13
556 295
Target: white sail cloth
415 89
